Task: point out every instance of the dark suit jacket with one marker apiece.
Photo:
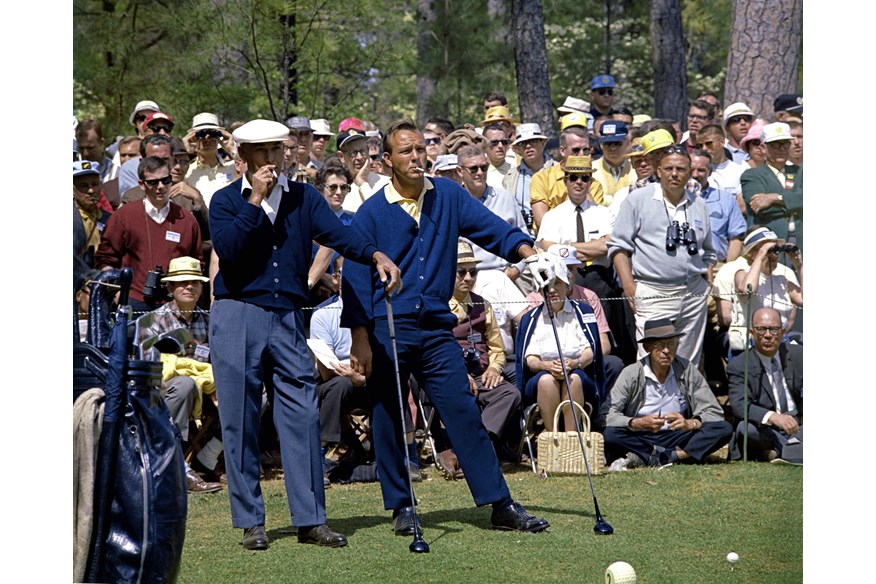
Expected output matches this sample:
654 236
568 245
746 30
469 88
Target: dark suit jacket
760 395
762 180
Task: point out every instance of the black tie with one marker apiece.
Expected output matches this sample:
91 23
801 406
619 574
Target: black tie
579 224
778 381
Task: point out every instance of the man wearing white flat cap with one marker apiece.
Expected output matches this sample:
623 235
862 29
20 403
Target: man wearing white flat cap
263 226
322 133
529 145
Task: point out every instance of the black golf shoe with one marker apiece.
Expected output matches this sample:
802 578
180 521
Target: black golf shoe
514 517
403 521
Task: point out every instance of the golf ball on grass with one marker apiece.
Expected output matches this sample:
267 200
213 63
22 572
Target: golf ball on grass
732 557
620 573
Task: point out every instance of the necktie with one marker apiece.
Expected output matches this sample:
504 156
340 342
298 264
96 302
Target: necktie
779 383
579 224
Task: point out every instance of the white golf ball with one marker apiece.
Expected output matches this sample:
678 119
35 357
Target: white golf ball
620 573
732 557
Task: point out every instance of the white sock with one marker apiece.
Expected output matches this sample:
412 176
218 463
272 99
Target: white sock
209 454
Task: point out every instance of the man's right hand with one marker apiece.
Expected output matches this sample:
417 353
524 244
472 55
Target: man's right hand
360 351
262 180
649 423
784 422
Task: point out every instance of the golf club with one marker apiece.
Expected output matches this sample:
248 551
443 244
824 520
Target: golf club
419 545
602 526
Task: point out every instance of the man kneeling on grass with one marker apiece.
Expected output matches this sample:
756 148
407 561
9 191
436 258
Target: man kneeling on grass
661 409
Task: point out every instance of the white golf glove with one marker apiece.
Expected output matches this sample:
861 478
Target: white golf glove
542 270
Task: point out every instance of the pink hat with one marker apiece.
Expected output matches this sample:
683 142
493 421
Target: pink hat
754 132
348 123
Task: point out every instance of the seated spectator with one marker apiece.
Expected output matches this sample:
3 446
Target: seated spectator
340 389
183 392
334 181
477 333
539 369
89 220
775 393
661 410
773 285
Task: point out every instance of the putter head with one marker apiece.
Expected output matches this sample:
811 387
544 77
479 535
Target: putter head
602 527
419 545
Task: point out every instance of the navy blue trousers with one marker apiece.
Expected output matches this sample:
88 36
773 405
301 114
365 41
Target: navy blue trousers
435 360
697 443
249 345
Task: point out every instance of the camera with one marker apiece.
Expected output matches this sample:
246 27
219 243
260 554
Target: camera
471 356
153 289
689 239
784 248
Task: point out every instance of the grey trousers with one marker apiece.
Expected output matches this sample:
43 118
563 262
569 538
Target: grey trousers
180 399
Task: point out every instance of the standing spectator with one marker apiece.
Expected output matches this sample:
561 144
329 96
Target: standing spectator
773 192
322 133
613 171
89 142
300 126
89 220
209 172
529 145
754 146
728 224
496 151
737 120
699 114
662 251
353 151
156 124
601 96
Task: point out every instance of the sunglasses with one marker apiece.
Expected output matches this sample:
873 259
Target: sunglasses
605 91
779 144
139 119
474 168
201 134
737 119
581 150
154 182
754 143
431 141
336 188
470 271
676 150
578 177
494 143
158 129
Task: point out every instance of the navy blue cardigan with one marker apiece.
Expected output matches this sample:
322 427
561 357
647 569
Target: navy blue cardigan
425 254
266 264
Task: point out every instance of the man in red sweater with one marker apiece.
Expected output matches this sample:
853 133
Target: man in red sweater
149 233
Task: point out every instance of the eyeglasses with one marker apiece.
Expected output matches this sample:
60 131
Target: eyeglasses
661 344
737 119
470 271
578 177
605 91
431 141
494 143
336 188
697 117
159 129
201 134
358 153
183 161
762 330
475 168
154 182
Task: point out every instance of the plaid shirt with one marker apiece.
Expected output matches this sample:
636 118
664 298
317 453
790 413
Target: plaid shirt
169 317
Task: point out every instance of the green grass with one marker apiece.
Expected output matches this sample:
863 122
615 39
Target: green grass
674 525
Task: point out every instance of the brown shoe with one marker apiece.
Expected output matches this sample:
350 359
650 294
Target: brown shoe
449 465
195 484
321 535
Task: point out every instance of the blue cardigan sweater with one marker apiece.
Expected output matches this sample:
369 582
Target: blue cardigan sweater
266 264
425 254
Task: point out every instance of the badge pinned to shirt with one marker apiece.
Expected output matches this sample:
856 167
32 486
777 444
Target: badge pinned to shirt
588 318
172 236
474 338
698 223
202 353
100 226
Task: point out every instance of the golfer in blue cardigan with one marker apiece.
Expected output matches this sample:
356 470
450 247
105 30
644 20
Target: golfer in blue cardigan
417 221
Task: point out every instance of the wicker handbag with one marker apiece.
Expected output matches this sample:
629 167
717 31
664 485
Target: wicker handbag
559 453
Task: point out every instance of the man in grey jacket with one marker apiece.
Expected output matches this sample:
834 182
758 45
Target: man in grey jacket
661 248
661 409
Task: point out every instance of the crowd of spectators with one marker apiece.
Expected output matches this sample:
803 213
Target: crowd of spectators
666 236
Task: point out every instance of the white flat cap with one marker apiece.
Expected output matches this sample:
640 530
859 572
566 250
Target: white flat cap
258 131
321 127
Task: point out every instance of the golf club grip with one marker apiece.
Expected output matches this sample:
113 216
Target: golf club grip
125 276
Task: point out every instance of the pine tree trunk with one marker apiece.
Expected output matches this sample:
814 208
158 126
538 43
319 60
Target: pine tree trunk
670 77
761 28
426 82
530 58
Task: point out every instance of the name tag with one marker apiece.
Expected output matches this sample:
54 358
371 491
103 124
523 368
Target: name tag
202 353
698 224
474 338
500 316
100 226
590 317
172 236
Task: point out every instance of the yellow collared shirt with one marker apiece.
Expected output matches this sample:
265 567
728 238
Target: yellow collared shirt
412 207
